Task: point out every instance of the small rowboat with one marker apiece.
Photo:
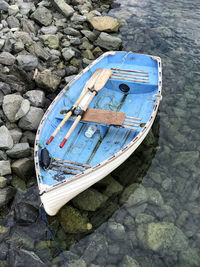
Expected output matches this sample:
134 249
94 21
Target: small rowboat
94 124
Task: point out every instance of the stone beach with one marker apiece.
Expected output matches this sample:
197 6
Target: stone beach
146 212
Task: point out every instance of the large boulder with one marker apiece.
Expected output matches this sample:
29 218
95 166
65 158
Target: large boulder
108 41
104 23
6 141
32 119
11 105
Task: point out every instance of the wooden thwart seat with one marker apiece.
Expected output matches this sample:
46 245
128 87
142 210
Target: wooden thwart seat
110 117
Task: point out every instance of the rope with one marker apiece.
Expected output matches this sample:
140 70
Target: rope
44 219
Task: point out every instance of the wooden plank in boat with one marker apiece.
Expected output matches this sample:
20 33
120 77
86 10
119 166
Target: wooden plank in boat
104 116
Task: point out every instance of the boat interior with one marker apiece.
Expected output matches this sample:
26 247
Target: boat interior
130 90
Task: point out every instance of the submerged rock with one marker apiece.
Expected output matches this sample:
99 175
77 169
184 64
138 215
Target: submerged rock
129 262
25 213
72 221
89 200
6 195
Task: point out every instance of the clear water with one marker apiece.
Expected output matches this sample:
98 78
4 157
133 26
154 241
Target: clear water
169 29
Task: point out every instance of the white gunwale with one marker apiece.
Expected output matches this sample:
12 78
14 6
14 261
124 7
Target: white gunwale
45 189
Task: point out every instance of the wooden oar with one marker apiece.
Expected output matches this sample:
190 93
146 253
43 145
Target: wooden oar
100 83
89 85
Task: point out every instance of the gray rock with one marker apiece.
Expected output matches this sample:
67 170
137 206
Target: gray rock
5 167
37 50
154 196
69 78
6 58
49 30
5 88
23 168
71 31
16 135
4 5
19 236
3 155
89 200
13 10
116 231
13 22
26 7
6 141
78 18
165 237
63 7
32 119
36 97
3 182
144 218
6 195
11 105
25 213
138 197
27 62
42 15
2 42
77 263
129 262
50 40
47 79
18 151
21 257
68 53
189 258
23 110
3 251
108 41
29 137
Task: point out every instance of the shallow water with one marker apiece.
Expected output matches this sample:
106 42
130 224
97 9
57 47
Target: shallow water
171 30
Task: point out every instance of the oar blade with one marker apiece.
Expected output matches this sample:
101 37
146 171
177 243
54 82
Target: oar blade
102 79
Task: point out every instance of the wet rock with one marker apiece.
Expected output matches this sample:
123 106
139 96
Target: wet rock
6 195
5 167
112 186
3 251
18 183
48 80
72 221
89 200
6 58
186 158
116 231
129 262
42 15
63 7
128 192
6 141
108 41
154 196
16 135
23 168
27 62
3 182
11 105
36 97
25 213
68 53
104 23
4 5
97 245
165 237
24 258
18 151
19 238
50 40
23 110
32 119
138 197
189 257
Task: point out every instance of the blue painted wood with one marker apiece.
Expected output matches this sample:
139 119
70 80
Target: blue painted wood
107 140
